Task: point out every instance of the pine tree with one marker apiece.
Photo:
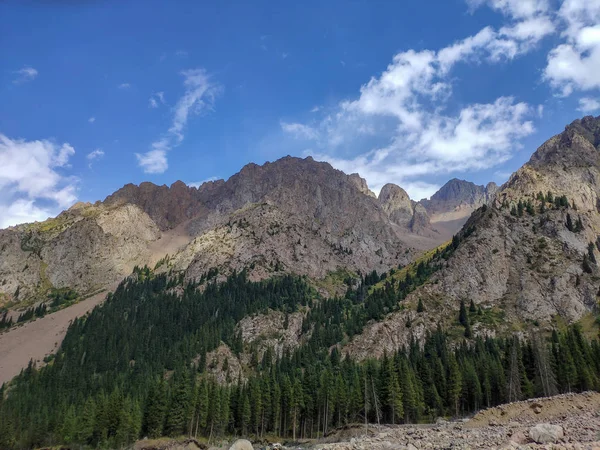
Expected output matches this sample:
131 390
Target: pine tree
297 403
154 412
463 318
69 426
514 371
569 223
246 414
201 409
420 307
472 308
177 415
85 422
543 367
454 384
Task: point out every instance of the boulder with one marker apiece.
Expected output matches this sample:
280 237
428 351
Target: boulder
545 433
241 444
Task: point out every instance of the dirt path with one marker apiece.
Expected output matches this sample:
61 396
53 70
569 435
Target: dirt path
37 339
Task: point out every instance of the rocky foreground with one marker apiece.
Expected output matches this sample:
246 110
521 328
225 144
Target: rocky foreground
569 421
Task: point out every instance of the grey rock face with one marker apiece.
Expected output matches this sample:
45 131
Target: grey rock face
459 194
397 204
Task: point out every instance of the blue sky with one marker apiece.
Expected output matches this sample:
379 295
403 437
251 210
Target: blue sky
97 94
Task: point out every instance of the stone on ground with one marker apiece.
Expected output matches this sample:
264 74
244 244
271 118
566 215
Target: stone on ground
241 444
545 433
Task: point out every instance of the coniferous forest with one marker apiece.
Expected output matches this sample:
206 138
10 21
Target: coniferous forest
136 366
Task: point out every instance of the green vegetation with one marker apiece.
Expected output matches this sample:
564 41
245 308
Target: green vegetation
125 372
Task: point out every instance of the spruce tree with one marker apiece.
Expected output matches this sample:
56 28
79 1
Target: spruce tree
454 385
177 415
569 223
154 412
472 308
463 318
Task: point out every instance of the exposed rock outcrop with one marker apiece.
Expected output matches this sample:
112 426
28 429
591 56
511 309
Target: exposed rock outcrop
397 204
85 248
519 257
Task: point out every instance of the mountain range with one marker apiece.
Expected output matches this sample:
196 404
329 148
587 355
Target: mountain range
292 215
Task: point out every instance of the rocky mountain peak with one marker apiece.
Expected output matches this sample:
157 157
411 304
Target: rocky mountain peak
397 204
588 127
566 164
458 198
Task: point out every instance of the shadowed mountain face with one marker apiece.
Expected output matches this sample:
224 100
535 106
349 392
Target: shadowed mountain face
527 258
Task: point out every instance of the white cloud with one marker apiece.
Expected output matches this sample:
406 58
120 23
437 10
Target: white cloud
31 185
529 31
91 119
403 117
575 63
154 161
25 74
199 97
96 154
316 109
517 9
529 22
299 130
24 211
124 86
588 105
156 99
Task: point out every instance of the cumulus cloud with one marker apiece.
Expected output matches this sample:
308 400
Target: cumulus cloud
404 119
124 86
588 105
575 63
32 186
91 119
198 98
25 74
154 161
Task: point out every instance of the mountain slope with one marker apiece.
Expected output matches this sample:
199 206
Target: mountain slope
293 215
527 259
85 248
